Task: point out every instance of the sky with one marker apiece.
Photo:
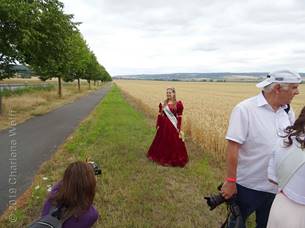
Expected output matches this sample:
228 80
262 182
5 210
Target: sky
171 36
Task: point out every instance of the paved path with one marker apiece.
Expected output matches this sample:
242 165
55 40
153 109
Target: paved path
24 148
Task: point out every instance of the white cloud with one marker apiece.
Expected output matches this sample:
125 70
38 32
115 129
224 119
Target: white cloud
162 36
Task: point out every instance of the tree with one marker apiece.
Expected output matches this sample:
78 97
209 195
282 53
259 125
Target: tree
15 16
46 48
39 34
79 57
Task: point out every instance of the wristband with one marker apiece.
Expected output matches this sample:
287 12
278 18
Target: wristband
231 179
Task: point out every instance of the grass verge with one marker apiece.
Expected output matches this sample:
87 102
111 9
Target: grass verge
132 191
30 102
28 89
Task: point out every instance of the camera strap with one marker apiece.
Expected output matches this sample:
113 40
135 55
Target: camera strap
225 224
236 218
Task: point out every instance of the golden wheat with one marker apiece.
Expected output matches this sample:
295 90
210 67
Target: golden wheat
207 106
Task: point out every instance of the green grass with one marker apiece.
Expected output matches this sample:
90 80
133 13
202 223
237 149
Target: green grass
132 191
28 89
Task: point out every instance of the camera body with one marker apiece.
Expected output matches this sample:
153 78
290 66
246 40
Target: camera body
215 200
97 170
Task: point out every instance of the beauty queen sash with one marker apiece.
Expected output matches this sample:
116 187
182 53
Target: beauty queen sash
170 116
173 120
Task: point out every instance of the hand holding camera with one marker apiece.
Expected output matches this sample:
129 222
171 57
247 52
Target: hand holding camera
228 189
97 170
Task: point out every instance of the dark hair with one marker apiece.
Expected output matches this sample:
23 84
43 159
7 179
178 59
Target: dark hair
297 130
77 188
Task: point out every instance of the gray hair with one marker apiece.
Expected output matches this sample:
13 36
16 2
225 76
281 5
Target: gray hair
270 87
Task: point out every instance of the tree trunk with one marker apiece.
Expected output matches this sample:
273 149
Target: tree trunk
94 83
89 84
78 83
59 87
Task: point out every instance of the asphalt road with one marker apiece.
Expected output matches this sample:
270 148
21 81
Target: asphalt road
23 148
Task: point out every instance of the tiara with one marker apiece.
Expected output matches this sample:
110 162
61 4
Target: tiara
171 88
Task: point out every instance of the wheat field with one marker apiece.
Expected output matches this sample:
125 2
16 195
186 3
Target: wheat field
207 106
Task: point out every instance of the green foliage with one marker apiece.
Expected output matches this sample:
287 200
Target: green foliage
12 15
38 33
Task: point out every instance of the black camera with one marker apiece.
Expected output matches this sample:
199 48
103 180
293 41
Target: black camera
216 199
234 212
97 170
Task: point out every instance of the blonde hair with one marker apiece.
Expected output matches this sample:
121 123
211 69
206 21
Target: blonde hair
174 96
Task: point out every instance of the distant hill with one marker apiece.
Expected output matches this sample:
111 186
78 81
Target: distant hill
222 76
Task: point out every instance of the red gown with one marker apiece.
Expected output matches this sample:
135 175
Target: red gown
167 148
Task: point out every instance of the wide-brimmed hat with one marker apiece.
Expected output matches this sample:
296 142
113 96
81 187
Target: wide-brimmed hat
280 76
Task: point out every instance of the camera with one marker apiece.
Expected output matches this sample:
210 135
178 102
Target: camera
97 170
216 199
234 212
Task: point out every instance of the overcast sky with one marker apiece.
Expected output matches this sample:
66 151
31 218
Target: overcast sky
168 36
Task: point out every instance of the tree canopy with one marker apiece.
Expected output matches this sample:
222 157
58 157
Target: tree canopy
39 34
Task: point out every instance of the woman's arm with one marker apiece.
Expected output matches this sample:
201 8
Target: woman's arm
179 114
47 205
159 116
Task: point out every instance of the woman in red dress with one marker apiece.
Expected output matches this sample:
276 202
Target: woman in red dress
168 148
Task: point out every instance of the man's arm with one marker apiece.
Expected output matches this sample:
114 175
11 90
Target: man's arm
229 188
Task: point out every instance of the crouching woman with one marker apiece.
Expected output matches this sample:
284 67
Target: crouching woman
75 194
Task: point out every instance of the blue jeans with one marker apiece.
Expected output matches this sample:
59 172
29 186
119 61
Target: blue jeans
250 201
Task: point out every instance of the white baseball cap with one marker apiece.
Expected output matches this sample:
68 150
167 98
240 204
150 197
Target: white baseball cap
280 76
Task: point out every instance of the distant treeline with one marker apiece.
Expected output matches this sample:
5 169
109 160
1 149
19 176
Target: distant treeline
206 77
42 37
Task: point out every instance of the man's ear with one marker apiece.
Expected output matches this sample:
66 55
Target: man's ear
277 88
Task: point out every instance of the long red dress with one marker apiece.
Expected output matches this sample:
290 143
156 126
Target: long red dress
167 148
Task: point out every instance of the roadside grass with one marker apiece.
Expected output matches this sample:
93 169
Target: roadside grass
132 191
30 102
28 89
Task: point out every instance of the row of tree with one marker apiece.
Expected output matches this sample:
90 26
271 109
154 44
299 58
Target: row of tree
40 35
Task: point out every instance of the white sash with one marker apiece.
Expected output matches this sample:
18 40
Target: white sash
289 165
170 116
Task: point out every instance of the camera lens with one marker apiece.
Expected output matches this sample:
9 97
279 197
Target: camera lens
215 200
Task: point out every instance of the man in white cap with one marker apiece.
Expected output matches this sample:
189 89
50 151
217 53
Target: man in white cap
254 128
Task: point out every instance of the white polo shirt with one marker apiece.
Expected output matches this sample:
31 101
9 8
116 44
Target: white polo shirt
255 125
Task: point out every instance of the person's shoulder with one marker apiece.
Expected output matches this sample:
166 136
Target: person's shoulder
179 105
179 102
247 103
92 213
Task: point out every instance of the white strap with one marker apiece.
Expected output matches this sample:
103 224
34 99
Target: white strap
170 116
289 165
